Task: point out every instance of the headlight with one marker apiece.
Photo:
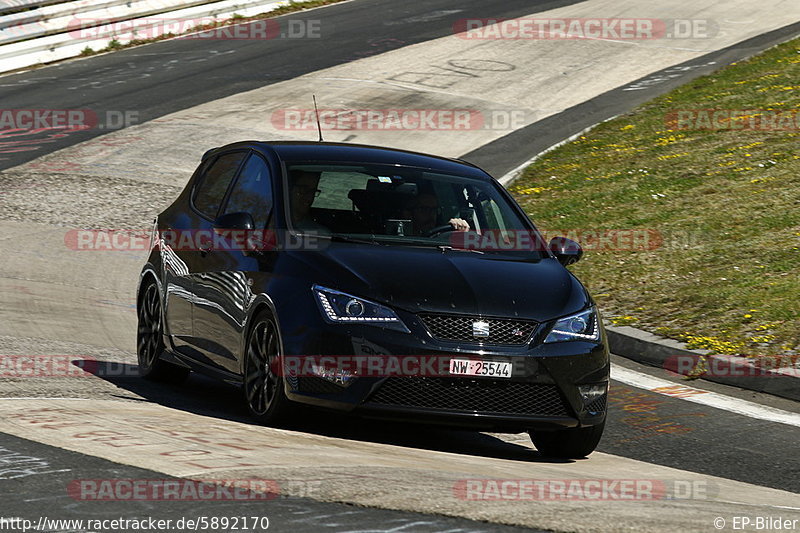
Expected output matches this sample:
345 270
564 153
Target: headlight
340 307
580 327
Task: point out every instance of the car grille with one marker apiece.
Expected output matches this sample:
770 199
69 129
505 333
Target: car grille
482 396
315 385
597 406
459 328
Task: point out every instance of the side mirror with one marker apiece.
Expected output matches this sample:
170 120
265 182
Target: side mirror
566 250
233 225
236 221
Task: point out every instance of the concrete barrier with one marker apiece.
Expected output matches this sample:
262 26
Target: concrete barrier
674 356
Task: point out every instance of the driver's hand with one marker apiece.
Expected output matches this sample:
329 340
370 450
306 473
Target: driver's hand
459 224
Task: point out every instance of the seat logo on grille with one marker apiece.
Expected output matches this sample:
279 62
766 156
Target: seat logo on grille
480 328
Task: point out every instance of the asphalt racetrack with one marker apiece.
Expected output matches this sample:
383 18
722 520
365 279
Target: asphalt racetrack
718 453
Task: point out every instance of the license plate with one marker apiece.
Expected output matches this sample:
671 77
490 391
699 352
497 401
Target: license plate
489 369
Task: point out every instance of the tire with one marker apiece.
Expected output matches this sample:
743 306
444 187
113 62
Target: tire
572 443
150 341
263 387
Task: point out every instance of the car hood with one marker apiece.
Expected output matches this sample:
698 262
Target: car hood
426 279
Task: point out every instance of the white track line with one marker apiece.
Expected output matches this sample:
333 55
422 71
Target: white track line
41 398
704 397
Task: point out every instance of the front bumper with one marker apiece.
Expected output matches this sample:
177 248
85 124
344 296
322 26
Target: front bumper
542 392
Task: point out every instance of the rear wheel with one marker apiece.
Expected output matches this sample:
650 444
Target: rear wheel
150 341
263 386
571 443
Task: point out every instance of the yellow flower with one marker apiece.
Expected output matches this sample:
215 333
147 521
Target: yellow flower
533 190
623 320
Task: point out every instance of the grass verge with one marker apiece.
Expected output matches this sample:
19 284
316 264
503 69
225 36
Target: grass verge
721 197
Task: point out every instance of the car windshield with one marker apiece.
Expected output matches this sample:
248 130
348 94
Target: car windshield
389 204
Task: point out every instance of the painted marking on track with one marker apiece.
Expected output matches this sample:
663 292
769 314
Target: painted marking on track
426 17
787 507
703 397
14 465
642 412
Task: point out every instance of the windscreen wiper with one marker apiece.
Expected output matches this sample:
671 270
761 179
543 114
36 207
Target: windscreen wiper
343 238
446 248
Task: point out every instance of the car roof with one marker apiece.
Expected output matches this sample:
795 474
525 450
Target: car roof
359 153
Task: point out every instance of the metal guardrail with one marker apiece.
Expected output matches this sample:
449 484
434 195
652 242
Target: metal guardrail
68 16
70 42
63 8
12 6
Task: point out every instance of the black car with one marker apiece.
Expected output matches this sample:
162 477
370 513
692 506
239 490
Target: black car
380 282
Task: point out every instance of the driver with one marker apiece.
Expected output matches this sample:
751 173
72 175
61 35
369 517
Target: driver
423 210
303 190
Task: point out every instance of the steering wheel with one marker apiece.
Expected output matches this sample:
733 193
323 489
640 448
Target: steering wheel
438 229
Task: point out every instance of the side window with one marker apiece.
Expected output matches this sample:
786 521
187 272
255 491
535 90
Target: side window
494 217
252 192
209 194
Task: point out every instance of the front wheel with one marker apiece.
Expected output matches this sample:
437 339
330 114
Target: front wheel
571 443
263 385
150 341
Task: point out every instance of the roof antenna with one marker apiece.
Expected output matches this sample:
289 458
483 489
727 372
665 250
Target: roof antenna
316 112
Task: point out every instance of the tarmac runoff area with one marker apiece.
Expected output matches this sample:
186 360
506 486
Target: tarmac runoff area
637 496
